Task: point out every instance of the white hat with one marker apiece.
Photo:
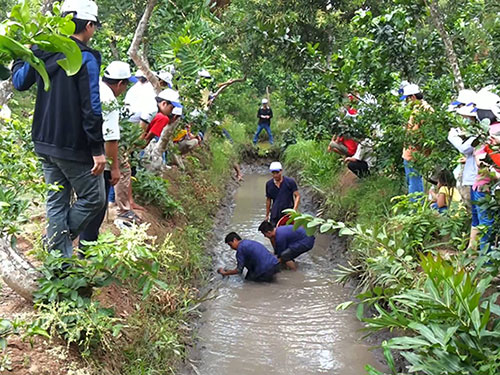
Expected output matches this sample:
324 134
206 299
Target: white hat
119 70
139 73
465 97
275 166
195 113
486 100
265 101
410 89
399 92
177 111
165 77
204 73
466 110
81 9
171 96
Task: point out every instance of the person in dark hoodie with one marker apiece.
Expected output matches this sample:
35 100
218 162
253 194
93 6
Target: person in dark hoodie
67 131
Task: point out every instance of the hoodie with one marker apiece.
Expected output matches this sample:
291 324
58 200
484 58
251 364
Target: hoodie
67 123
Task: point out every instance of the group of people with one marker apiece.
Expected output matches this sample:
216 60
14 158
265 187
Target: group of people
477 172
76 131
281 194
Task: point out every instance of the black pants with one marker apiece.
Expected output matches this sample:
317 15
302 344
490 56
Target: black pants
91 232
359 168
267 276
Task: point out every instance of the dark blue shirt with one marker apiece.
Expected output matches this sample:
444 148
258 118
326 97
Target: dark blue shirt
254 256
287 238
282 197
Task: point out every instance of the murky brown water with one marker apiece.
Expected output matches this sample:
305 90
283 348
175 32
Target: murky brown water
287 327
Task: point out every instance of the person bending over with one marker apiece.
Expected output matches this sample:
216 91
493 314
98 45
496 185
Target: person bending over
288 243
259 262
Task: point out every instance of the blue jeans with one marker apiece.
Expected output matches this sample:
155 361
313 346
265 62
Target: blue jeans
481 217
414 180
267 128
66 221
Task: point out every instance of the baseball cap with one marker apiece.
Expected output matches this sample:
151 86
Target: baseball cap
265 101
119 70
165 77
466 110
139 73
410 89
171 96
464 97
81 9
275 166
487 100
177 111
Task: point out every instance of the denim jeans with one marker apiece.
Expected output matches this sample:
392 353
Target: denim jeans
66 221
267 128
481 216
91 232
414 180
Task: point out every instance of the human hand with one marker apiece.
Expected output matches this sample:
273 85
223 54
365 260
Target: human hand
99 165
115 176
494 140
221 271
349 159
266 218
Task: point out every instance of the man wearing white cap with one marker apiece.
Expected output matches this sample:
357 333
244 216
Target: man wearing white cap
281 193
67 131
140 102
265 114
414 180
114 83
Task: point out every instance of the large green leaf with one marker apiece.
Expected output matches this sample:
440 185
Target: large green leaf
17 50
57 43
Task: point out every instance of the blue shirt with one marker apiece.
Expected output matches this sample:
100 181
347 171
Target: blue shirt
282 197
254 256
287 238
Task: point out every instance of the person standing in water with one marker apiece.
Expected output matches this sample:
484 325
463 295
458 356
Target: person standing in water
281 193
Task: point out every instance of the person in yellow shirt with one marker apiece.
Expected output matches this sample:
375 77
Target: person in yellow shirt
447 191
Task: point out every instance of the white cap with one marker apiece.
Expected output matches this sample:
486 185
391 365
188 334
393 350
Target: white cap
139 73
465 97
275 166
170 95
410 89
119 70
265 101
82 9
177 111
487 100
195 113
204 73
165 77
466 110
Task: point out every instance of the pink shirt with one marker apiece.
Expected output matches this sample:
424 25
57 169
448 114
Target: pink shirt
480 154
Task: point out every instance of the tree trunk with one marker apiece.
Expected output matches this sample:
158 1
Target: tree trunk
6 89
133 52
448 44
17 272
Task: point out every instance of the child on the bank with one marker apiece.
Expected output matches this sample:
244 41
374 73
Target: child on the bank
447 191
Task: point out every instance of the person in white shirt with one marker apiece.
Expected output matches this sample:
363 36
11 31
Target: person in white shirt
114 83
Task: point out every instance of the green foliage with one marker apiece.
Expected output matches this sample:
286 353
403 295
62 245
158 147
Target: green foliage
64 296
27 26
153 190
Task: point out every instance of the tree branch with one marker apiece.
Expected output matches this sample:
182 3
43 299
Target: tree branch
223 86
133 52
448 44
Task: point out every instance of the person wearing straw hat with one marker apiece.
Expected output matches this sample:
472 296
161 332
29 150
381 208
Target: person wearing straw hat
264 114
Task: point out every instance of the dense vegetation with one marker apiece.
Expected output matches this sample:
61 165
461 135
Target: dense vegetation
415 275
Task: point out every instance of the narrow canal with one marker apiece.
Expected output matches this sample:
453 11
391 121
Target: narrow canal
287 327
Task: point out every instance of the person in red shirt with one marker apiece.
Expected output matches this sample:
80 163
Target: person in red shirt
343 146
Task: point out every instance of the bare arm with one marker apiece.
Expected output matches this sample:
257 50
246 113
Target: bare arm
224 272
296 199
111 148
268 208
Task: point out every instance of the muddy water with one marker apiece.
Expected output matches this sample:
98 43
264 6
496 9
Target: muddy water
287 327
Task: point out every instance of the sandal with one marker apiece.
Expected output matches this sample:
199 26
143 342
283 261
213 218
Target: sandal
131 216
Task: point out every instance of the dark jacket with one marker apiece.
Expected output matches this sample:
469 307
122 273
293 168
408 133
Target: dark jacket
265 112
67 123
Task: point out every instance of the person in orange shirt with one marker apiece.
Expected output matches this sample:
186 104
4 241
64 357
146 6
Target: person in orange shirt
414 180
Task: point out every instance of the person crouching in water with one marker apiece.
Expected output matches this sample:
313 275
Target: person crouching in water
252 255
288 243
